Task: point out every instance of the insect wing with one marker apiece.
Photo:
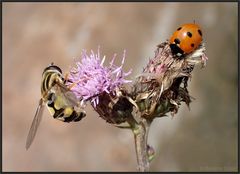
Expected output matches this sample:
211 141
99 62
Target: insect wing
71 98
68 95
35 124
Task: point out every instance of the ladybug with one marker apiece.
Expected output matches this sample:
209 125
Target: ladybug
185 39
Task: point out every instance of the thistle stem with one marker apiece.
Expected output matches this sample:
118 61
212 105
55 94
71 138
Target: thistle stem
140 137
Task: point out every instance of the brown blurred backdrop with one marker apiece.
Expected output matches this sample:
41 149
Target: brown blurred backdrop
36 34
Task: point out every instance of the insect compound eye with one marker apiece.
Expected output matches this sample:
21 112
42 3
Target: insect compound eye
189 34
56 68
53 67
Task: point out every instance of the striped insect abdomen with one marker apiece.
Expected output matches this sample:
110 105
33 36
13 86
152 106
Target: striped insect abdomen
59 110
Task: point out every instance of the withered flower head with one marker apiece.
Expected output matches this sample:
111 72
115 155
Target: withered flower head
162 86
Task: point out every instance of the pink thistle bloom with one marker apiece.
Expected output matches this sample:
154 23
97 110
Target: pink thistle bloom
91 78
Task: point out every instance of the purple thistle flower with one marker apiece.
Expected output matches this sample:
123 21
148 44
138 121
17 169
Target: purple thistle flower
91 78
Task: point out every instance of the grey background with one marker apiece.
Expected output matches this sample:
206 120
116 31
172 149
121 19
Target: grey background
35 34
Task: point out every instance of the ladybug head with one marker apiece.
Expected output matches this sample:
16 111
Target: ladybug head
176 50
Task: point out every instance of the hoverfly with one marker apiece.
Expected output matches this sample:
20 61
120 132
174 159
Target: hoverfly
59 99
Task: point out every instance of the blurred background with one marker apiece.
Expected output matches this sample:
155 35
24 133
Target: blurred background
36 34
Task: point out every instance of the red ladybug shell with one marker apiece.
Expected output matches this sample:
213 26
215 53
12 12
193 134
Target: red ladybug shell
187 37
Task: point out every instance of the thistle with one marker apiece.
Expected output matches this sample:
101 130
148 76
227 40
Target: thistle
158 90
100 84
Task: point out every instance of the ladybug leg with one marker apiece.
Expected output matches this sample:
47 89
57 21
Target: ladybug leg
181 56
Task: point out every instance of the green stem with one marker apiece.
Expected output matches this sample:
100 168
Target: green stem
140 136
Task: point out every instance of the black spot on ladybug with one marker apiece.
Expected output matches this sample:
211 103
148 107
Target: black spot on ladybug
192 45
189 34
177 41
200 32
179 28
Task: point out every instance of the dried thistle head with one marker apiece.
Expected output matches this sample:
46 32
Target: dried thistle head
163 84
